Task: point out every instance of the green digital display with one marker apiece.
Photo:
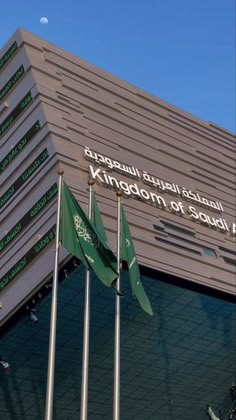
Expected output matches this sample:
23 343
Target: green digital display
24 177
11 83
15 113
28 258
22 143
28 217
8 55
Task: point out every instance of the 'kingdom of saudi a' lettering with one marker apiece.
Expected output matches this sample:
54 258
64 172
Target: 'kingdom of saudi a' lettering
131 190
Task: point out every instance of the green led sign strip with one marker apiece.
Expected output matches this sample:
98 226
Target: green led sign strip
28 217
8 54
28 257
11 83
24 177
22 143
15 113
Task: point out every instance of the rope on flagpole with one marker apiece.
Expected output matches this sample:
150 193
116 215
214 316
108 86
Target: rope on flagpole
116 396
85 361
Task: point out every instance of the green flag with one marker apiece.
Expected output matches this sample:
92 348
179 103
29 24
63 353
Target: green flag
79 236
128 255
99 226
97 220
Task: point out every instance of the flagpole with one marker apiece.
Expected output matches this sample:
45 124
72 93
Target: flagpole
85 362
53 321
116 396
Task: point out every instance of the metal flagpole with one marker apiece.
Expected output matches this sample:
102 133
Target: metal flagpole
116 396
53 322
85 362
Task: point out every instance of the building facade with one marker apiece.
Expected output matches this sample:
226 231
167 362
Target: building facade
177 176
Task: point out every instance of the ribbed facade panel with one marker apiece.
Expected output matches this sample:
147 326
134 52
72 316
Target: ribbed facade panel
19 131
29 237
33 190
39 271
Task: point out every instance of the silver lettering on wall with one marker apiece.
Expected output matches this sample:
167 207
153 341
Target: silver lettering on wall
158 184
103 177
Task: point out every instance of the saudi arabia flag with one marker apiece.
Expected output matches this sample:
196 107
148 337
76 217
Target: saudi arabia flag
97 220
128 255
79 236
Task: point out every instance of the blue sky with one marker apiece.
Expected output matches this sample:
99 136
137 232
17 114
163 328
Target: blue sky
182 51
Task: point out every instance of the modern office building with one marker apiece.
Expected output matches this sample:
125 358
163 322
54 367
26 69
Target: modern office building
177 176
